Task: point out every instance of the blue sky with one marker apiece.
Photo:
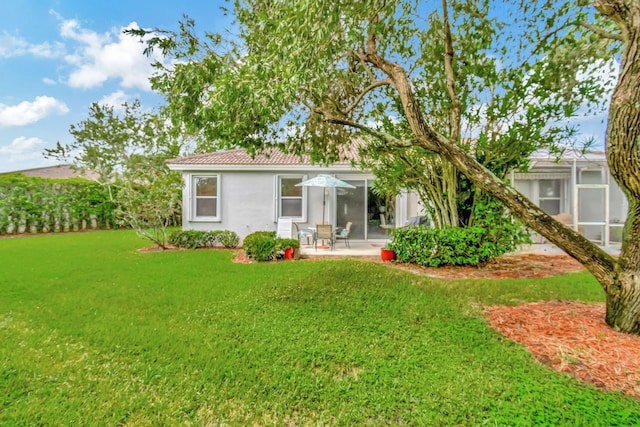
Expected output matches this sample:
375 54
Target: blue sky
59 56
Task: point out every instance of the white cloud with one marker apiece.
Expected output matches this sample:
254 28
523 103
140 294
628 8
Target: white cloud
27 112
100 57
115 100
49 81
23 146
23 153
11 46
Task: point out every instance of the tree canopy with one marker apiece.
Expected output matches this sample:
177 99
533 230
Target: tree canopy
478 84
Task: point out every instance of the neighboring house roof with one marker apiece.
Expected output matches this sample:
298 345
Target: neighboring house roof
57 171
240 159
543 159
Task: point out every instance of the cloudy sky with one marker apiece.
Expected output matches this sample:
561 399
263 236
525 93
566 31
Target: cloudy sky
59 56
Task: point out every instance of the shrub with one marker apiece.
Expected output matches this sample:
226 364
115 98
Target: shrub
43 205
192 239
260 245
492 236
282 244
265 246
227 238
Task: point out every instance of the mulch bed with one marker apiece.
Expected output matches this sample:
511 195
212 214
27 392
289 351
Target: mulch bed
573 338
506 267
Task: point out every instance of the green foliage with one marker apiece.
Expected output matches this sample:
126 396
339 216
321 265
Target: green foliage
284 243
227 238
150 198
127 149
493 235
265 246
260 245
191 338
36 204
193 239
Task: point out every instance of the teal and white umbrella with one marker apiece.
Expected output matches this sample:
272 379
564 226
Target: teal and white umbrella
325 181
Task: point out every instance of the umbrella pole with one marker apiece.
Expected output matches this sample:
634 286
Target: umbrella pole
324 202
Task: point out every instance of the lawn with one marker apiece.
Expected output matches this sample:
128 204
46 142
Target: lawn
95 333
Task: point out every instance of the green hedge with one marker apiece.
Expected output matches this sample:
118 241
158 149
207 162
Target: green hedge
450 246
34 204
265 246
202 239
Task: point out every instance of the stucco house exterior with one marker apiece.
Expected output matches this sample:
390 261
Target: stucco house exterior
231 190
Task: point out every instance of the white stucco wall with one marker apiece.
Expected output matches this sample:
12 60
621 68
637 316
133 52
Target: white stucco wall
248 201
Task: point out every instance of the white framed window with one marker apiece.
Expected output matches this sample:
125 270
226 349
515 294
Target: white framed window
205 197
550 195
291 200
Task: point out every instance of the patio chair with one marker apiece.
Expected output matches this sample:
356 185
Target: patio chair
344 234
323 232
303 234
284 228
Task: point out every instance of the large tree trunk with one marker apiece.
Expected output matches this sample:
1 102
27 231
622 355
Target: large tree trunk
620 278
623 155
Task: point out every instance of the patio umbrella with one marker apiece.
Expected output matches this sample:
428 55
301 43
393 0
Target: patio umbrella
325 181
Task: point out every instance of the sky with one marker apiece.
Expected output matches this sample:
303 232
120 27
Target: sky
59 56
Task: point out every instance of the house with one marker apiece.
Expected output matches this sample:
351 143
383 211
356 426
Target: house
233 191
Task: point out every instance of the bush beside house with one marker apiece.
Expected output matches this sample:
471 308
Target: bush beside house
265 246
193 239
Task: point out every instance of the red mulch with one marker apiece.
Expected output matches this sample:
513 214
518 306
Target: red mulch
572 337
506 267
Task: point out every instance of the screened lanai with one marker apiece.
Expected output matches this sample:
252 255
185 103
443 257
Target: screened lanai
578 190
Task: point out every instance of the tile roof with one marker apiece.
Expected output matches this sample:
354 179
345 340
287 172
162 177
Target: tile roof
241 157
57 171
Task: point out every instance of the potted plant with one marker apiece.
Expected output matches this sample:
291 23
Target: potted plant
387 253
288 246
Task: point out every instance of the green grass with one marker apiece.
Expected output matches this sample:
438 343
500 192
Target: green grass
93 332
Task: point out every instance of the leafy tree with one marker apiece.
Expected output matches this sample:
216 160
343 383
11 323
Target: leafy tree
467 81
149 198
127 150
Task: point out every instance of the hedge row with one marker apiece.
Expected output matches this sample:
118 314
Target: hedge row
193 239
434 247
33 204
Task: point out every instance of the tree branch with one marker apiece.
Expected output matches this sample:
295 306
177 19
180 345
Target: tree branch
379 83
455 115
388 138
601 32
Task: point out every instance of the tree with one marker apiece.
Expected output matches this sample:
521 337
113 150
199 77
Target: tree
149 198
127 150
311 75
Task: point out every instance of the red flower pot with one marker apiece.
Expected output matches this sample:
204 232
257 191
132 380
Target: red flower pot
288 253
387 254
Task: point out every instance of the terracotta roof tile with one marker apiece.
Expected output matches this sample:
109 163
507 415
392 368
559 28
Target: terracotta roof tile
241 157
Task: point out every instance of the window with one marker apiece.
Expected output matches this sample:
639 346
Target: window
206 198
549 195
291 199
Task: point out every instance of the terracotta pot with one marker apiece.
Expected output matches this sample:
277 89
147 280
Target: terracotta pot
387 254
288 253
